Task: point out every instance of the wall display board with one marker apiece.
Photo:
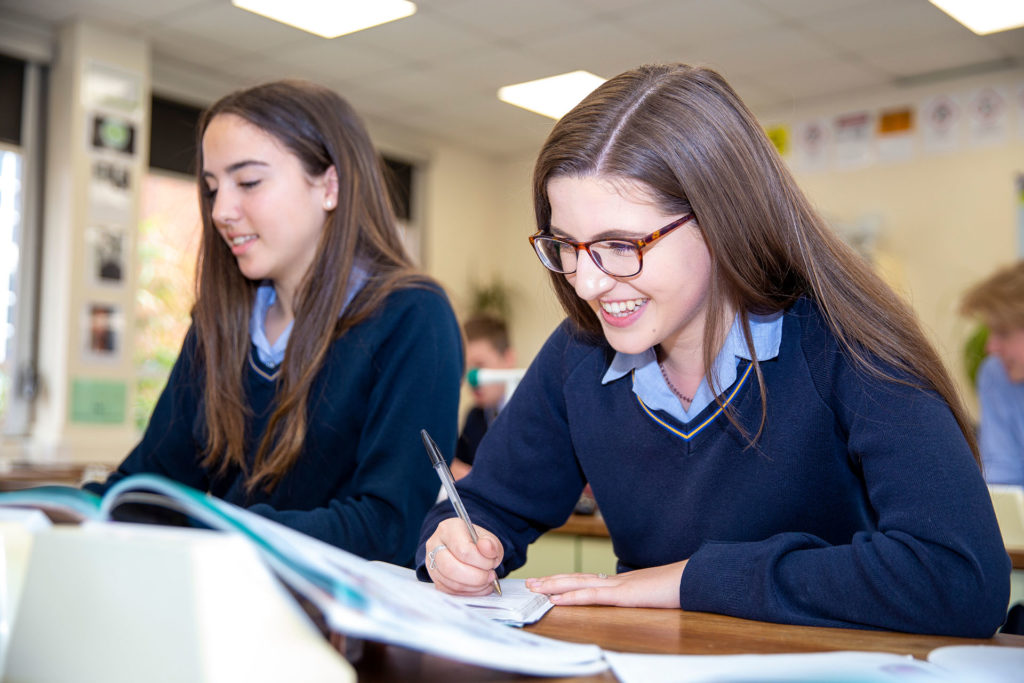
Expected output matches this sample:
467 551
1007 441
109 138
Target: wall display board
98 401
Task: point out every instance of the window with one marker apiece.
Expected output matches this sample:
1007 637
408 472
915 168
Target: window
168 237
21 117
10 228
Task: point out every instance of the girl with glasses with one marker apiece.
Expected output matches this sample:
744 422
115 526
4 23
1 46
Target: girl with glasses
766 429
317 352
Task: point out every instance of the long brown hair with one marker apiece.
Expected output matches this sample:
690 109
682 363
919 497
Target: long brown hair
321 129
684 133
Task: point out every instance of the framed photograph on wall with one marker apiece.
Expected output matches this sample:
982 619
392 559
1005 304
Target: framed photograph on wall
102 331
107 253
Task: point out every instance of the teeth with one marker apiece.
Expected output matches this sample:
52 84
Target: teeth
235 241
621 309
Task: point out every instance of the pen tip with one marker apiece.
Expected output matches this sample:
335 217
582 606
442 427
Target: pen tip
497 587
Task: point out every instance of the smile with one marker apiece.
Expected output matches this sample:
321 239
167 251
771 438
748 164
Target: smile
241 239
620 309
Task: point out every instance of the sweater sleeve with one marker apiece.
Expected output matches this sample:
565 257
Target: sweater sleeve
417 370
525 478
935 562
170 444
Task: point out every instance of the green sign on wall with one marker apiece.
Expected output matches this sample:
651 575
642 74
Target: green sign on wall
97 401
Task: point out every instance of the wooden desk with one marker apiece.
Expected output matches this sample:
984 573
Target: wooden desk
1016 557
657 631
26 475
584 525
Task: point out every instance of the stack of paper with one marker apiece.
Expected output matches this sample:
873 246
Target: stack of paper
356 597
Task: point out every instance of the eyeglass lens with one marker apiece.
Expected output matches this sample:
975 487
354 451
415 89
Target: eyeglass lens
614 257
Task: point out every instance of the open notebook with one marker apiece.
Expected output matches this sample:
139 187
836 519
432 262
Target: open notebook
355 597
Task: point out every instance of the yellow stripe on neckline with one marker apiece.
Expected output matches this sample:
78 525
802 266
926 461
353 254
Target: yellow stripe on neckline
270 377
705 423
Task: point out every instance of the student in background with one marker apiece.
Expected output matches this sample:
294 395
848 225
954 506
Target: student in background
316 352
766 429
487 346
999 302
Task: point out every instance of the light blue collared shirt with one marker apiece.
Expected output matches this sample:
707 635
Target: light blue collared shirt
271 355
1001 435
650 385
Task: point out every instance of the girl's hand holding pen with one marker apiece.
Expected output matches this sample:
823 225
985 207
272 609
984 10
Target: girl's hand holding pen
457 565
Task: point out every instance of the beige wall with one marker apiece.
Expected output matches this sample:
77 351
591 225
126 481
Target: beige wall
474 214
66 288
945 220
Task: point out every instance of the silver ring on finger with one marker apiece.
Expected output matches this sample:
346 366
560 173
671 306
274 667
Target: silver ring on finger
602 575
433 555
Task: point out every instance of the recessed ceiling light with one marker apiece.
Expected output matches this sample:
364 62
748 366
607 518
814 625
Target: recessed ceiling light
552 96
329 18
984 16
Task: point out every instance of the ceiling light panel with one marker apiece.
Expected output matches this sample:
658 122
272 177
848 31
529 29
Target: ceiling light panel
984 16
329 18
553 96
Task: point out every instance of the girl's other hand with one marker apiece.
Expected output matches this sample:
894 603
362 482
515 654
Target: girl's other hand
651 587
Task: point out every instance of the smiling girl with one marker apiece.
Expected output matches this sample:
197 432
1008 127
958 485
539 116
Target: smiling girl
317 352
766 430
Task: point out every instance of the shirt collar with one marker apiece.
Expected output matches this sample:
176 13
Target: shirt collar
650 386
269 354
765 330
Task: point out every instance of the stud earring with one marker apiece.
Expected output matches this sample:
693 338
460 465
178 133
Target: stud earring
329 204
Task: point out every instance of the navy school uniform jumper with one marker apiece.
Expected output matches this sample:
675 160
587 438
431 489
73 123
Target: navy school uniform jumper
859 505
362 481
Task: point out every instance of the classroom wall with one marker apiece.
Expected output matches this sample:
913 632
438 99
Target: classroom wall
83 407
946 219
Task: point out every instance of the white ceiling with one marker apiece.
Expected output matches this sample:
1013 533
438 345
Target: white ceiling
438 71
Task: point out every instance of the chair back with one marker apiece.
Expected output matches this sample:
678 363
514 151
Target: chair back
1008 502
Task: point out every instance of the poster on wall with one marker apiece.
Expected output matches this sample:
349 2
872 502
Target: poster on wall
112 133
110 192
1019 100
102 332
811 145
106 251
1019 187
895 134
853 134
779 135
108 87
97 401
988 116
939 119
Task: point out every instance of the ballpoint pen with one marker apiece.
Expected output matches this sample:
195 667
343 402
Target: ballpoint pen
437 460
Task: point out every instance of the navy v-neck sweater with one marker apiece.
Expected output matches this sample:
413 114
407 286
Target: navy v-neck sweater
860 503
363 481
